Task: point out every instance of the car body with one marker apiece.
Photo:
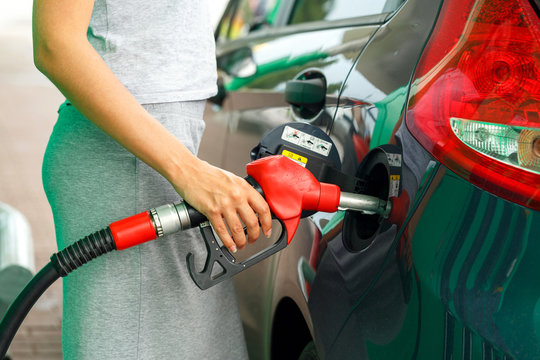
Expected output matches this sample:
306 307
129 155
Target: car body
452 272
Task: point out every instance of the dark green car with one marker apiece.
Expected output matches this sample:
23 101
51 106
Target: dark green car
435 104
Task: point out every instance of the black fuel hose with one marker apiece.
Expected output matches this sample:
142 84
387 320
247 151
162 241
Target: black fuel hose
23 303
62 263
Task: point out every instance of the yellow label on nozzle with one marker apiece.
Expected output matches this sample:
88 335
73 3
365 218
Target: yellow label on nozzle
295 157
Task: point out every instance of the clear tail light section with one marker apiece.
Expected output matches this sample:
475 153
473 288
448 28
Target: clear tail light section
475 96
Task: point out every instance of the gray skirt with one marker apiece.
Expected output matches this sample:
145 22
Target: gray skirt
138 303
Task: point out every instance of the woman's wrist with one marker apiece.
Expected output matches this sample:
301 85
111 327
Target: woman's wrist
179 168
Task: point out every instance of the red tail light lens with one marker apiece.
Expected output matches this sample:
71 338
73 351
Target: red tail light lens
475 98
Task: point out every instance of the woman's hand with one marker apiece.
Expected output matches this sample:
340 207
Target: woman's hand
227 201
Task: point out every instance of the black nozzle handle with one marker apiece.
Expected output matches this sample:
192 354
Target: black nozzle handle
221 255
195 217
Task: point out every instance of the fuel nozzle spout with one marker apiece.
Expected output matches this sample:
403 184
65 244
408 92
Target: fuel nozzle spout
366 204
394 210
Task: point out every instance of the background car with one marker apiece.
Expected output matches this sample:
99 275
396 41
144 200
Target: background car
432 105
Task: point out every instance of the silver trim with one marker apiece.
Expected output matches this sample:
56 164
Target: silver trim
183 216
157 223
168 219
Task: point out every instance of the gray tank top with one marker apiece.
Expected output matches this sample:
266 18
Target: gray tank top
161 50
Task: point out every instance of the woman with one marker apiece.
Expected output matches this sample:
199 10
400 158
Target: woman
136 75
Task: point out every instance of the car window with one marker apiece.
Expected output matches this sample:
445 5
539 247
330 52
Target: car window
244 16
315 10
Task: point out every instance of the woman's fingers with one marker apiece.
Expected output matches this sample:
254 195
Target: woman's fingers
234 220
221 230
252 223
260 206
236 228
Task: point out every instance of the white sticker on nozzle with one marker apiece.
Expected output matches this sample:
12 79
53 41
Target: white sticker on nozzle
306 141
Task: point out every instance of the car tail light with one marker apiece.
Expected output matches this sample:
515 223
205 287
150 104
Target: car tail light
475 96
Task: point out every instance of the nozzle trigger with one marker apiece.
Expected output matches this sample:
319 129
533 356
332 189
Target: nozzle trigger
221 255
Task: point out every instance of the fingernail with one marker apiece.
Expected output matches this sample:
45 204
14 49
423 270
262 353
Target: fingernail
233 249
268 233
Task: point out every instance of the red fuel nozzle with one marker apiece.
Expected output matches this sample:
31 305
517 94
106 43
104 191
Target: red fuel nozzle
290 189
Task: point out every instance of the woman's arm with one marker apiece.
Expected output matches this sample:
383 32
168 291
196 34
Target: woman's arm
63 53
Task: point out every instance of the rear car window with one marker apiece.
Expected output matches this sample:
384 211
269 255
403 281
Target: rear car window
316 10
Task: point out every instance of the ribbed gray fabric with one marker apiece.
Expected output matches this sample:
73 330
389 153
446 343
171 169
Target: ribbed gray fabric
139 303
